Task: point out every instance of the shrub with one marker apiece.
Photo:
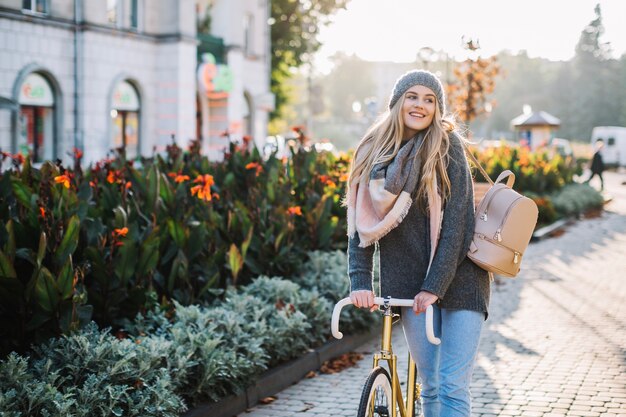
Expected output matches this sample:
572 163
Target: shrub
547 212
535 171
90 373
328 273
575 198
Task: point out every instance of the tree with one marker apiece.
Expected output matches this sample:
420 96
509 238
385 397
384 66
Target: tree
598 101
475 81
294 28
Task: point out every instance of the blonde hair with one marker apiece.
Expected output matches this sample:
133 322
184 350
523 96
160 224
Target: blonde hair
382 142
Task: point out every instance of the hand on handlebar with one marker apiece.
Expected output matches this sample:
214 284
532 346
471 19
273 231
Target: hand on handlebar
363 299
422 300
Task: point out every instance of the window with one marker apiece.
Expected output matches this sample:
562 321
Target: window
611 141
36 6
114 15
134 14
36 119
125 119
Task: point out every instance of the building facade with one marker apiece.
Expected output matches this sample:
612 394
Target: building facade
98 75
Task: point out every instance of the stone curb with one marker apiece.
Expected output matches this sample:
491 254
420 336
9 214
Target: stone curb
275 380
545 231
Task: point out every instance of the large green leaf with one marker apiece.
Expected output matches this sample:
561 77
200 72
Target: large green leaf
41 251
70 240
165 191
152 185
126 260
177 232
235 262
46 291
22 192
149 254
65 280
246 243
6 266
121 218
9 248
179 270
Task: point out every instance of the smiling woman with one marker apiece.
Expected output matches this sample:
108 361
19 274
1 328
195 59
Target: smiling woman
410 194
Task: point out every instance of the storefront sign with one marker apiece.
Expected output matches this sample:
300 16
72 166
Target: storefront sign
36 91
125 97
215 80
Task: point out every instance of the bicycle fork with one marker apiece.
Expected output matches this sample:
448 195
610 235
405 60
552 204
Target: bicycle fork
386 354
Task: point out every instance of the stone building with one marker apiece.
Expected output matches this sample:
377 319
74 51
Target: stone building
97 75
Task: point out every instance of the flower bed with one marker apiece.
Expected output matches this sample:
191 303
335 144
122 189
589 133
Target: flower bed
118 239
170 358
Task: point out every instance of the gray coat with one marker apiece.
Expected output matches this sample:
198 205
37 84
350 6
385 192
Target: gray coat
405 250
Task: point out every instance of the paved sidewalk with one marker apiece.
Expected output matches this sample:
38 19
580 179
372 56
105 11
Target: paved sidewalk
554 344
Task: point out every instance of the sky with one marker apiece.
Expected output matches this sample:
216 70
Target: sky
394 30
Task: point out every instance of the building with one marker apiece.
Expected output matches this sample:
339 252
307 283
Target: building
535 128
97 75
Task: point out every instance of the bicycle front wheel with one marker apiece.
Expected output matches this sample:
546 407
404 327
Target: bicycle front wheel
376 396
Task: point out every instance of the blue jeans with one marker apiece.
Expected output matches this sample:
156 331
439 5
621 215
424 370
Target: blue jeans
445 370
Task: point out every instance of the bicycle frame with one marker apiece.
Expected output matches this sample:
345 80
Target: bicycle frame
386 352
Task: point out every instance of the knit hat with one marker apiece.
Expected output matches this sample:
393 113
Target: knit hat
418 77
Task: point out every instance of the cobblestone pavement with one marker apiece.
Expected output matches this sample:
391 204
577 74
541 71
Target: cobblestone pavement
554 344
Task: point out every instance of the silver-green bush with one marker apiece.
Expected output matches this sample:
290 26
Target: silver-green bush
574 199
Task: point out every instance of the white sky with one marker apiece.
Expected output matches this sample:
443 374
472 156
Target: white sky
394 30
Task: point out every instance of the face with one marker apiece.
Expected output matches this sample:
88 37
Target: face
418 109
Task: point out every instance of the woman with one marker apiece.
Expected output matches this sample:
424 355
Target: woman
410 193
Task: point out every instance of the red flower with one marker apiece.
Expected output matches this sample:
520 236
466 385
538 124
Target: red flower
256 166
63 179
203 189
78 153
42 211
294 211
178 178
120 232
128 185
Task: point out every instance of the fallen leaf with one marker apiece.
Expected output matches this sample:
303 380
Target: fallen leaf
311 374
268 400
340 363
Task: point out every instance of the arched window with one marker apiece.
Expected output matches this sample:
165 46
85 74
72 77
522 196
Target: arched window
125 119
36 133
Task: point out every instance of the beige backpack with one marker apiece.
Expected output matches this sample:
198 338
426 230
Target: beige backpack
505 221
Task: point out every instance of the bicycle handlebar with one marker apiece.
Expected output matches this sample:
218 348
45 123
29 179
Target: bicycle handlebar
393 302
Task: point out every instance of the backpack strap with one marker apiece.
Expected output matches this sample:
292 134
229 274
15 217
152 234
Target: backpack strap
505 174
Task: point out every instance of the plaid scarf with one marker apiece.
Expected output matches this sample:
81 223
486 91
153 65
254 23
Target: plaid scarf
377 206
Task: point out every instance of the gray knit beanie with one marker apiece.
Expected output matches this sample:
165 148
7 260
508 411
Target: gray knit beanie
418 77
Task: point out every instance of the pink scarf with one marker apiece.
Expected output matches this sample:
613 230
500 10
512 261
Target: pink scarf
376 205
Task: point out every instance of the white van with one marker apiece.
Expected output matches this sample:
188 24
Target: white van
614 137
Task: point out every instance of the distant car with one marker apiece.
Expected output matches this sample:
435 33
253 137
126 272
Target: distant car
562 146
614 138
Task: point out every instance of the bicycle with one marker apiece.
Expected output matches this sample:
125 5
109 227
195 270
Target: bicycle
382 388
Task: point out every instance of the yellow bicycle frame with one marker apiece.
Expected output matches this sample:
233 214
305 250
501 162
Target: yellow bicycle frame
386 354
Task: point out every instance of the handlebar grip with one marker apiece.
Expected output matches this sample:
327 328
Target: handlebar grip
395 302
